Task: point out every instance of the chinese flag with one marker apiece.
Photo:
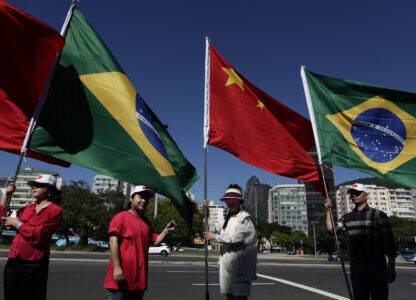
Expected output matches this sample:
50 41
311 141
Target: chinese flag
251 125
28 50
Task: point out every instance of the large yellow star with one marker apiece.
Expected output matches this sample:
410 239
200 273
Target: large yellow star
260 104
233 78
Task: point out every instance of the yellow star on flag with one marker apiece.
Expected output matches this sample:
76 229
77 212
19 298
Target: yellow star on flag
233 78
260 104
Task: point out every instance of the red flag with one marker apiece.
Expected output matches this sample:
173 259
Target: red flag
254 127
28 50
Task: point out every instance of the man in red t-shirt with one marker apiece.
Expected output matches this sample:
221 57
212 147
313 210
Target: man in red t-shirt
130 235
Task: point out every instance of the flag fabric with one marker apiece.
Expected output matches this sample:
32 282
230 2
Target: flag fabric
28 51
364 127
246 122
95 118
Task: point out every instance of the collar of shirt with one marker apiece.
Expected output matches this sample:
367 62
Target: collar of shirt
365 208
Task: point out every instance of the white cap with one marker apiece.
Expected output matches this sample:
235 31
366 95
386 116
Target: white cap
141 189
44 179
358 187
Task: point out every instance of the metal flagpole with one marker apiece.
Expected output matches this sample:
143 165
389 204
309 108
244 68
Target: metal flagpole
206 131
36 113
318 150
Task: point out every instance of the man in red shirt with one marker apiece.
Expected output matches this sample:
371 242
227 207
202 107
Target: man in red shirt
130 235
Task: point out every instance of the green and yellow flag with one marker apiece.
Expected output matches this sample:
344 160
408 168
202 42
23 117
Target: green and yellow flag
95 118
364 127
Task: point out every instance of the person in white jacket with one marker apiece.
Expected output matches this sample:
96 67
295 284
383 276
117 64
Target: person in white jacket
238 247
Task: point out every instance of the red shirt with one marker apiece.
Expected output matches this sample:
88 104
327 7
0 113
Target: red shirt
33 239
134 237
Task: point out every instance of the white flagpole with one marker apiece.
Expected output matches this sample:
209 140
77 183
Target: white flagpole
45 90
37 111
206 132
318 150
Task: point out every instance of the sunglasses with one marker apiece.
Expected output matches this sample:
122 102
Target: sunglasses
38 185
355 193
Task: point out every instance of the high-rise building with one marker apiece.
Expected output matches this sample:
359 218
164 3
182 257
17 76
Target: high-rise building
255 198
393 202
314 199
287 206
216 216
5 181
103 183
23 194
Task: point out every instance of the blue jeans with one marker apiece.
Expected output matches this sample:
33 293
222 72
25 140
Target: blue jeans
124 295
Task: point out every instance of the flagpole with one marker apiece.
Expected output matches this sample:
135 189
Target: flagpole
318 150
37 111
206 130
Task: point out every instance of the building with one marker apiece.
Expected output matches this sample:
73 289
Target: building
314 199
255 198
104 183
393 202
287 206
216 216
5 181
23 194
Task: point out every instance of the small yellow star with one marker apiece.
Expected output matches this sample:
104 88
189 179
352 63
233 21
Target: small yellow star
233 78
260 104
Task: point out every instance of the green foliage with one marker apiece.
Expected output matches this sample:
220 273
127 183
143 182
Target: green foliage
166 212
87 214
402 227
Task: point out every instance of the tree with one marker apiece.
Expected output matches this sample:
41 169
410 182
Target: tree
167 212
85 213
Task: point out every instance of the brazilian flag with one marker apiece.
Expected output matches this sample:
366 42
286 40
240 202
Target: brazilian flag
365 127
94 117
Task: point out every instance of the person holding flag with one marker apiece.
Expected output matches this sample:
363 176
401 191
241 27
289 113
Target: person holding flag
238 250
130 235
26 271
370 241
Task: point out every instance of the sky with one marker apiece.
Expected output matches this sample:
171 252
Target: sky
160 45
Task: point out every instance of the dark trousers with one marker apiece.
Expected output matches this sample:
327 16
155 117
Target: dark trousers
26 279
369 279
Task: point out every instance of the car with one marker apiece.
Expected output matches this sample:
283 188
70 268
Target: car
334 256
162 249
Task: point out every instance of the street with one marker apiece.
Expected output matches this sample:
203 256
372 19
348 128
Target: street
81 275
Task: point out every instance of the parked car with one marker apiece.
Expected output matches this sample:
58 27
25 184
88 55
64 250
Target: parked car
162 249
334 256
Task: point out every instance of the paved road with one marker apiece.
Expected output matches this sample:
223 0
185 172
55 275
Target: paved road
80 276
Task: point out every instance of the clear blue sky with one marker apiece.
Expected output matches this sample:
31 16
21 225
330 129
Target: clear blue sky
161 47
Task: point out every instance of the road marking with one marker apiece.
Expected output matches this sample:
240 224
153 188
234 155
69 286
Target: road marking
413 283
305 287
254 283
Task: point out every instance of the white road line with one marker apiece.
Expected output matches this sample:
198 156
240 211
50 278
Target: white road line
413 283
305 287
254 283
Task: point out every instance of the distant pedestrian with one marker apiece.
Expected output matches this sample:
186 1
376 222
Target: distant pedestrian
130 235
238 247
371 240
26 271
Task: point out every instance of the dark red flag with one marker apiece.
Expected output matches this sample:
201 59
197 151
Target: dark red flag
28 49
248 123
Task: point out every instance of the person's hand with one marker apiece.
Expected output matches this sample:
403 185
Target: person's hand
118 274
209 236
11 188
171 226
205 203
390 272
9 221
328 204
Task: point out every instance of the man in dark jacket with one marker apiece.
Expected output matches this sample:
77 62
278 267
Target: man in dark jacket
370 241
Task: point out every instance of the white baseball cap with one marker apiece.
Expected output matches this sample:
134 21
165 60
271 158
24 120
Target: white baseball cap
141 189
44 179
358 187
